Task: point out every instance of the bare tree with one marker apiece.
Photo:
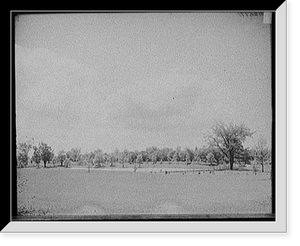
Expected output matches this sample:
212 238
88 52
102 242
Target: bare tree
262 152
229 139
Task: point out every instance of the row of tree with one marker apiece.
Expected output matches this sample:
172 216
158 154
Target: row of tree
225 144
41 152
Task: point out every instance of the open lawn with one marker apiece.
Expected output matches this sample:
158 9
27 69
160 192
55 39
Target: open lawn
63 191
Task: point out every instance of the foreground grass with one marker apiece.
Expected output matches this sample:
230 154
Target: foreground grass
63 191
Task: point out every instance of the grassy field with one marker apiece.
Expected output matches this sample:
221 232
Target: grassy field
62 191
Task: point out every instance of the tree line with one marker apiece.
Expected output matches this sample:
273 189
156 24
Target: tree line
224 145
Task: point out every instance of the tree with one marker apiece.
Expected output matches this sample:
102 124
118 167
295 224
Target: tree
139 160
98 159
111 158
229 139
116 155
22 153
154 157
160 155
61 156
165 152
67 162
210 158
82 160
170 155
130 157
122 159
247 156
218 156
36 157
197 155
181 153
262 152
176 156
89 159
144 155
46 153
202 153
189 155
74 154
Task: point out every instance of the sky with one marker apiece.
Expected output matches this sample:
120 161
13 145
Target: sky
135 80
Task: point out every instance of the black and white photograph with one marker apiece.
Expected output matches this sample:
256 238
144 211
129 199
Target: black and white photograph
144 116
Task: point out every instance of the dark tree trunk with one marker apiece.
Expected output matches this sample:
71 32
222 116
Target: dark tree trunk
45 163
262 166
231 160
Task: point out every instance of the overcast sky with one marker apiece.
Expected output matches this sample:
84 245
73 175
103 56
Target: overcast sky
137 80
